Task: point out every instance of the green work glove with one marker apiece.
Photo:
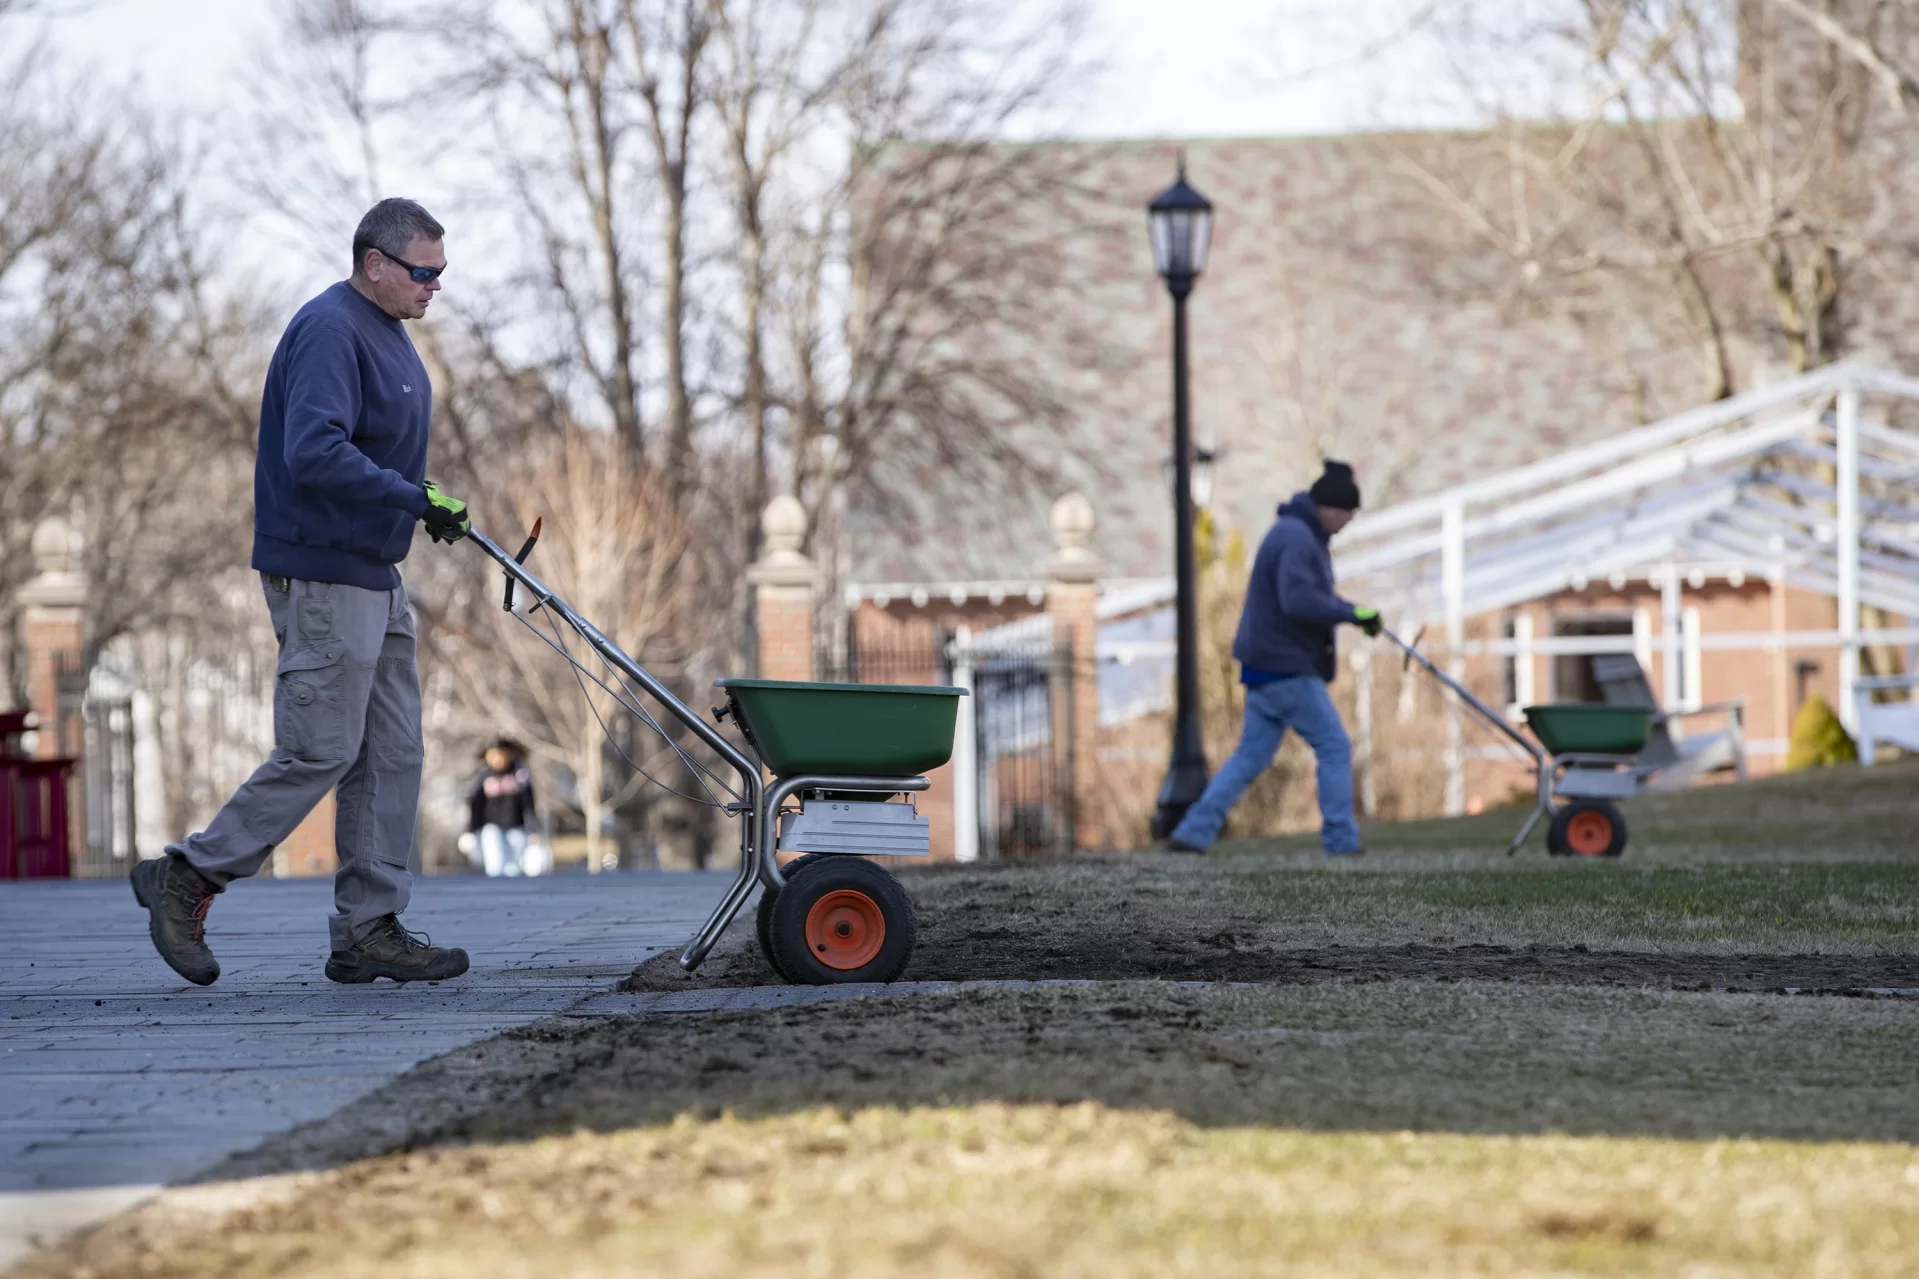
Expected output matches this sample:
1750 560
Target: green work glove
445 517
1368 620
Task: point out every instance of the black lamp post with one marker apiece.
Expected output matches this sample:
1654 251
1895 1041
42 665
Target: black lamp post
1181 221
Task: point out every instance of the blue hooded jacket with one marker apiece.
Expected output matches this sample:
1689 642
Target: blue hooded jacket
343 433
1287 625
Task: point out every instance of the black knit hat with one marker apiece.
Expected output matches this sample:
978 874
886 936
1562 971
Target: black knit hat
1336 488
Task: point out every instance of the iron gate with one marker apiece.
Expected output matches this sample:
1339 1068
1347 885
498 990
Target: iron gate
1022 729
96 727
1022 719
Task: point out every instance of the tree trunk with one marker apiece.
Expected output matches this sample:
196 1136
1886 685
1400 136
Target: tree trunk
679 406
757 496
595 53
591 794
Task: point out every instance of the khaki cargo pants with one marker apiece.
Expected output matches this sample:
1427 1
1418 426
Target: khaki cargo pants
346 715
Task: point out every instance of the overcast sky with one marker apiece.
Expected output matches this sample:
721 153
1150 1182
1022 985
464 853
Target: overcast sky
1191 68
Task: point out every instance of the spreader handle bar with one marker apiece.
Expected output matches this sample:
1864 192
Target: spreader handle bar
749 770
1465 694
1542 761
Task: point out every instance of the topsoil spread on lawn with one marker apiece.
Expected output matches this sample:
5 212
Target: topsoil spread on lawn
1159 918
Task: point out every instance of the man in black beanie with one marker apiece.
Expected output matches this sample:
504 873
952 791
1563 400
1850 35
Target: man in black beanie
1286 658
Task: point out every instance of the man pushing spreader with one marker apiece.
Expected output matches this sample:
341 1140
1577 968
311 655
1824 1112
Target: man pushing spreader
1286 659
339 483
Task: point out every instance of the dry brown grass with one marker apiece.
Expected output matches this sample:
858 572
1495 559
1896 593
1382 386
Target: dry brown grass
1026 1191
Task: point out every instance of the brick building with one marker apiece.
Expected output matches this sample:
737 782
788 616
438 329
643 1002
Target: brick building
1344 313
1748 555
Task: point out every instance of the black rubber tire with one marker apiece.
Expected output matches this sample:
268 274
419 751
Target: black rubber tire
1560 838
763 918
793 957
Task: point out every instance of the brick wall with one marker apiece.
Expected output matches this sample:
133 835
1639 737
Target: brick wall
53 639
786 632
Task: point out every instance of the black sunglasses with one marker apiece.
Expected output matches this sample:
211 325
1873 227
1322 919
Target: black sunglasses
420 274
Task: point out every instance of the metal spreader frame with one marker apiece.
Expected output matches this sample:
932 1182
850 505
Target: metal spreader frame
1545 766
759 814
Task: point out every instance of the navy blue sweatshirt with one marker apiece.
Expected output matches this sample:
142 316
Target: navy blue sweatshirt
1287 625
343 432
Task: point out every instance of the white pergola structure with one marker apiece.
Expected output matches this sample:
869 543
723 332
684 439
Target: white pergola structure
1805 483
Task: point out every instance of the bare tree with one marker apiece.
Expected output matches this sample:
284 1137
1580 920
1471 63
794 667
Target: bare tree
668 40
1870 36
116 404
614 547
317 101
691 189
905 350
1725 175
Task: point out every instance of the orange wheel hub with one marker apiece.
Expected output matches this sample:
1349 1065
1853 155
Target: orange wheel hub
845 929
1589 834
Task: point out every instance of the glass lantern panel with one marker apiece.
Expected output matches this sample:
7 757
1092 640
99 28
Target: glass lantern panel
1180 240
1200 237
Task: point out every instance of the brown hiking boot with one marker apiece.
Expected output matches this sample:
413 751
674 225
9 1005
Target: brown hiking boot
389 950
177 897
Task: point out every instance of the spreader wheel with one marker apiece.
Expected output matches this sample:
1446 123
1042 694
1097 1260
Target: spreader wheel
840 919
1588 828
763 921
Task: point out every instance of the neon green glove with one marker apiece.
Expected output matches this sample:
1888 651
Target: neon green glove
1368 620
445 517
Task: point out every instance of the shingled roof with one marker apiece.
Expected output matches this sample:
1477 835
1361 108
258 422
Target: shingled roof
1344 313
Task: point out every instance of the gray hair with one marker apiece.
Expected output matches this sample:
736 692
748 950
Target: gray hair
390 226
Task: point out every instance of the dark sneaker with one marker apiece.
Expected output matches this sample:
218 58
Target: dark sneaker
1180 846
177 897
391 951
1345 852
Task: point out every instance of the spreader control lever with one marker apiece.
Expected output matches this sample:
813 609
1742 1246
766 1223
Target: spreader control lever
525 550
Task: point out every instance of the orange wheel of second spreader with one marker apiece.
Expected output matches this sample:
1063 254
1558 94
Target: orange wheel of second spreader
1588 828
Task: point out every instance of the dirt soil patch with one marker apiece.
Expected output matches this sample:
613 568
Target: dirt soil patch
1347 1129
1468 1057
1289 920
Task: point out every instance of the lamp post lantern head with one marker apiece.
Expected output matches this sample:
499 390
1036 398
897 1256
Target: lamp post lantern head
1181 222
1205 464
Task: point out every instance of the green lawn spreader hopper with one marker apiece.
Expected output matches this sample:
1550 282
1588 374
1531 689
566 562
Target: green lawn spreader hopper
1583 754
839 755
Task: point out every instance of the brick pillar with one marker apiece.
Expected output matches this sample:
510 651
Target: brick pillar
53 629
784 581
1072 597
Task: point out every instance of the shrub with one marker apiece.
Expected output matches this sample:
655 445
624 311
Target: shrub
1819 740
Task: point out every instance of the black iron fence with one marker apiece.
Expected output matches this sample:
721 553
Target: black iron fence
1023 729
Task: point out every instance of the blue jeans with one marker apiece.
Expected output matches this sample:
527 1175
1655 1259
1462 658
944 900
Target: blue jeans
1303 705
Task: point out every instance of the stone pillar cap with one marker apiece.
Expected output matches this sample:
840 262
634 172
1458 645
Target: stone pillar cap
1073 522
782 563
57 582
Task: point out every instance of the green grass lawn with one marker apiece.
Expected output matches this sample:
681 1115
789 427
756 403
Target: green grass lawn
1846 813
1822 907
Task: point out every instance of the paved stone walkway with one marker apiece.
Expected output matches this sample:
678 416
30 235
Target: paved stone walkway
116 1077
